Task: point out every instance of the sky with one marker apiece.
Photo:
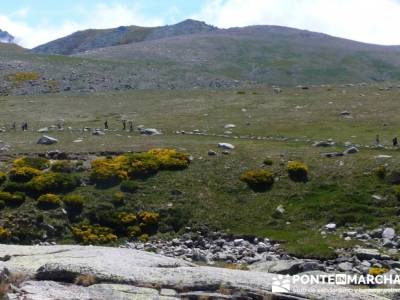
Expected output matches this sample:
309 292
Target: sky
37 22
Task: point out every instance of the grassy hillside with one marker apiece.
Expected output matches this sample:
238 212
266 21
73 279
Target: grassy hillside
278 127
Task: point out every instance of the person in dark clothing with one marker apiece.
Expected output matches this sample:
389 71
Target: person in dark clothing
124 125
395 142
130 126
14 126
377 139
106 125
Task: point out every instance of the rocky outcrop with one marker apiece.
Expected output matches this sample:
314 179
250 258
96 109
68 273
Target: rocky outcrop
119 273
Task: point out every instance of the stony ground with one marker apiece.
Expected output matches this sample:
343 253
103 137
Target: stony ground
75 272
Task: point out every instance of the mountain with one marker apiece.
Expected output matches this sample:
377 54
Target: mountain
99 38
264 55
5 37
193 54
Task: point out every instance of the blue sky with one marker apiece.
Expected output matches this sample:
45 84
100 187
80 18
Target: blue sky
35 22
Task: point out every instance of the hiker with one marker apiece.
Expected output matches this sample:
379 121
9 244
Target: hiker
123 125
24 126
395 142
377 140
14 126
106 125
130 126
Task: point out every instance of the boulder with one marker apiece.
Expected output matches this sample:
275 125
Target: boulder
330 227
47 140
324 144
43 130
149 131
226 146
388 233
229 126
367 254
351 150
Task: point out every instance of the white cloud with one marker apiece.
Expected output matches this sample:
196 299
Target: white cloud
102 16
373 21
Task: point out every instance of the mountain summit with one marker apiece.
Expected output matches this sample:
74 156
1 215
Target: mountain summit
90 39
5 37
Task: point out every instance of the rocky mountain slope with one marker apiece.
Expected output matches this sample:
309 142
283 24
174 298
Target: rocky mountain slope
5 37
92 39
193 54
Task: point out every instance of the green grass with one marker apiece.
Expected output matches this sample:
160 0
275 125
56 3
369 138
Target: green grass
209 191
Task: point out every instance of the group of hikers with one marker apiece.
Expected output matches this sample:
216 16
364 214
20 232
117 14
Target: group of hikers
124 123
395 141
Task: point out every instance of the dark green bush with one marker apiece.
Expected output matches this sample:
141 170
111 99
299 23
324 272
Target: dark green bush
3 178
381 172
49 201
62 166
53 182
38 163
12 200
74 202
11 186
129 186
258 180
268 162
23 174
297 171
2 204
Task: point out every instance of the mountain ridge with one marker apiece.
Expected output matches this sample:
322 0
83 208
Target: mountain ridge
89 39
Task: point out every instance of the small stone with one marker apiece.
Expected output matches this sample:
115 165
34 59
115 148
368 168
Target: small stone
330 227
226 146
388 233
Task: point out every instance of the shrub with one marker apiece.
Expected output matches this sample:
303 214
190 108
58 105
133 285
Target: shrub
49 201
144 238
20 77
119 197
3 178
298 171
62 166
12 200
258 179
129 186
108 171
5 234
134 231
142 164
93 234
38 163
268 162
2 204
374 271
148 221
11 186
53 182
170 159
127 218
23 174
5 196
381 172
396 190
74 202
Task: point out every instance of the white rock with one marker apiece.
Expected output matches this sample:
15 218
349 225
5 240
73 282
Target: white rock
388 233
226 146
330 226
